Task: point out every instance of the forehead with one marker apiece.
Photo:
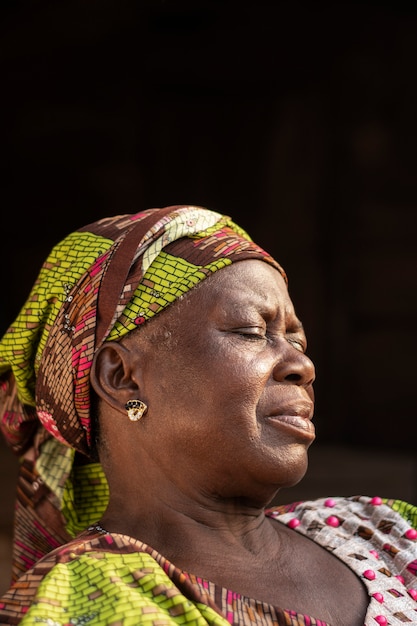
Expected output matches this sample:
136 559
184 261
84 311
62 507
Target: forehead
247 278
250 287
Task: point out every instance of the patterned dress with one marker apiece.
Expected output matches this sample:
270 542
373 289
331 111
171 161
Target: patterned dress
106 579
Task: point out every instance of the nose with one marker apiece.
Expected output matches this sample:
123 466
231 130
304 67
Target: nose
294 367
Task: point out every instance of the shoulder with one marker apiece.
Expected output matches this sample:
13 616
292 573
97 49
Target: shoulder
357 525
88 576
375 537
101 579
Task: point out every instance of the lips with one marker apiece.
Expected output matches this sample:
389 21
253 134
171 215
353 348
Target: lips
294 417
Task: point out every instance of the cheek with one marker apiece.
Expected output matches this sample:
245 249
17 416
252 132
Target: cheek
251 373
239 379
210 374
239 385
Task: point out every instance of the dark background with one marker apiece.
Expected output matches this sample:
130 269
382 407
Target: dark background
297 119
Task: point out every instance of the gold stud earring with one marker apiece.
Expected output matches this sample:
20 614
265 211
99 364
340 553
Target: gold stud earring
135 409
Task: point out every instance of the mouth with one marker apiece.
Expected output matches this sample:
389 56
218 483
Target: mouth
295 421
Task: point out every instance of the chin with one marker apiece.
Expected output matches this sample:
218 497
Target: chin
295 481
295 469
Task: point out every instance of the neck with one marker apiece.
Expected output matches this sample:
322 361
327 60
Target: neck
179 526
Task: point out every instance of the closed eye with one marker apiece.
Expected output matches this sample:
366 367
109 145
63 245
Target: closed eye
297 343
251 334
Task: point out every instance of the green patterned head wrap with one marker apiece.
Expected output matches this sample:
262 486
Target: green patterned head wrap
98 284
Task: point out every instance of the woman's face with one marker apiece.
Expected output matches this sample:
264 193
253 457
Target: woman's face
229 395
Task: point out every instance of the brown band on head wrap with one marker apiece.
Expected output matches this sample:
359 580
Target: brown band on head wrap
117 271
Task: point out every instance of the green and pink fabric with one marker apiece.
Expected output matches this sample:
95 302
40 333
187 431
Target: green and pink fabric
104 579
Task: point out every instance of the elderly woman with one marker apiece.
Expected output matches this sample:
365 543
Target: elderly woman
158 405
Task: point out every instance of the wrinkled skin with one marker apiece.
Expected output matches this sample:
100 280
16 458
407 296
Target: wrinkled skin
229 391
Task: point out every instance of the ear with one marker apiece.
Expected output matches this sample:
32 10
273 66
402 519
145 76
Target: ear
114 374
